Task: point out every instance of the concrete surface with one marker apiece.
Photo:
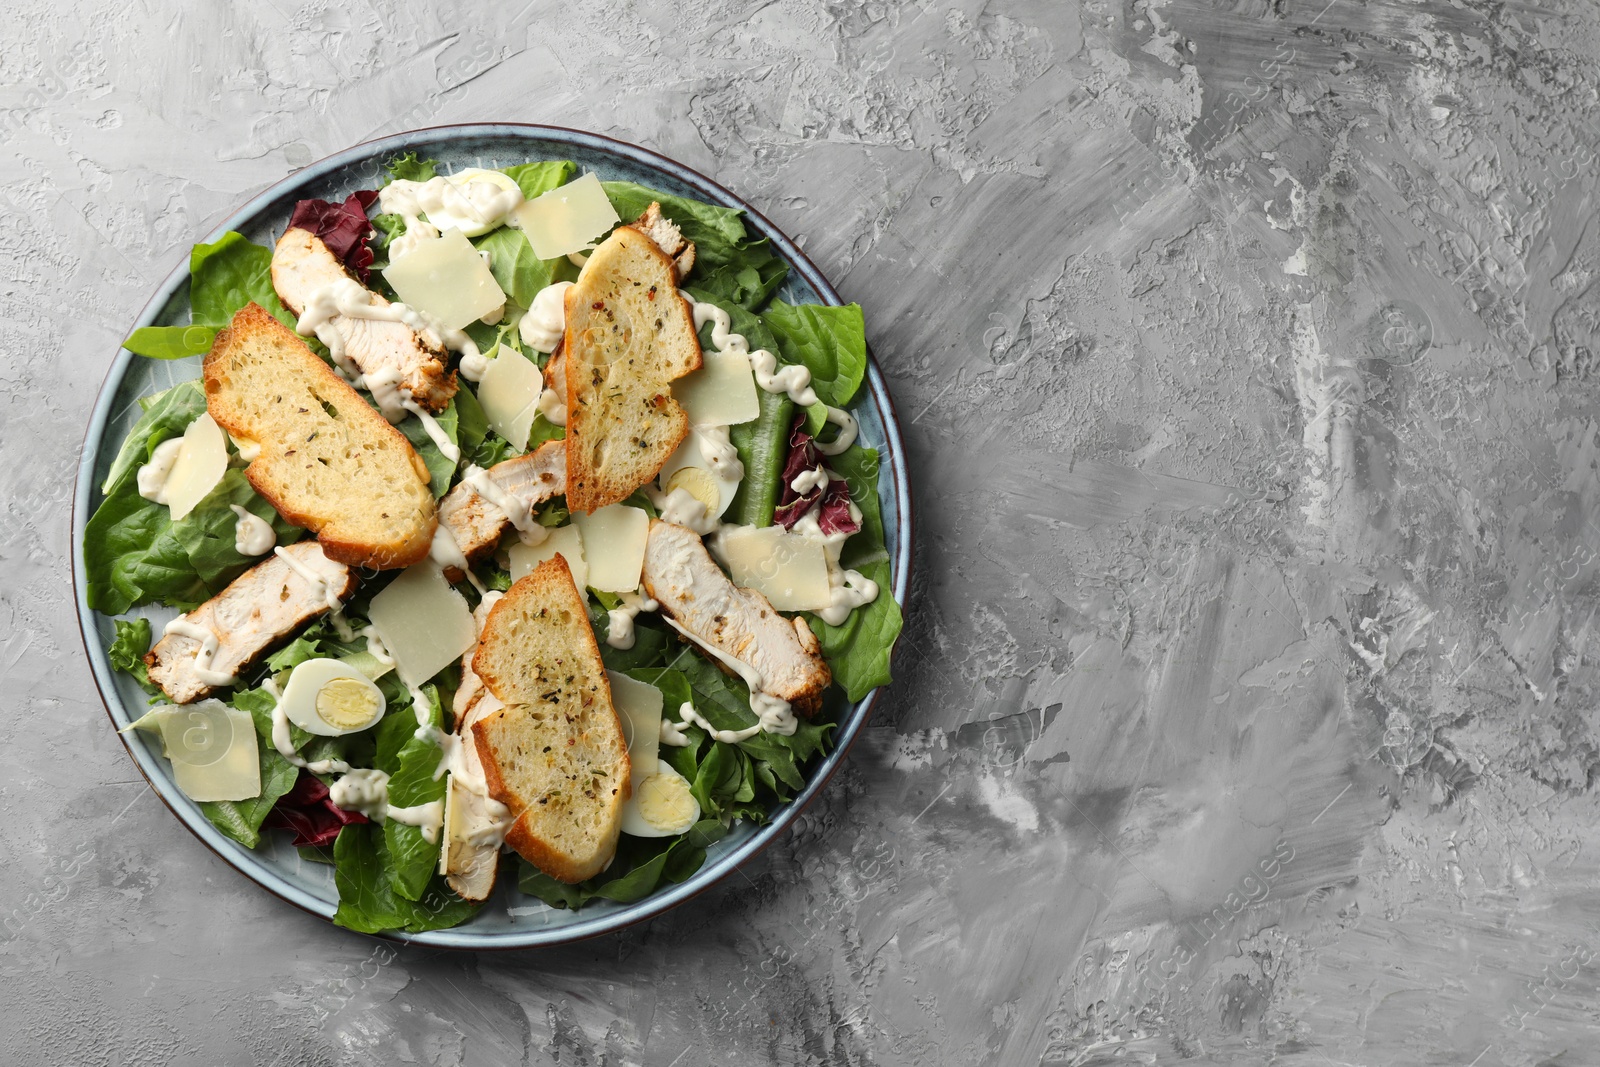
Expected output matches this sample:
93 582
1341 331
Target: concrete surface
1248 356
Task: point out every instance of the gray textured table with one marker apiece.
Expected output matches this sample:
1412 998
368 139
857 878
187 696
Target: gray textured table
1247 711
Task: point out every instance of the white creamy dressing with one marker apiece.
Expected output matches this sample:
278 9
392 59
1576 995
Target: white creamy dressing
619 620
252 535
367 791
718 451
152 477
806 481
682 508
848 429
449 204
425 730
775 714
546 321
348 298
447 553
515 508
375 646
553 406
323 589
202 656
672 732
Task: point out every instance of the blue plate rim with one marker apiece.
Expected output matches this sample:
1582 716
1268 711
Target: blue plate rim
714 871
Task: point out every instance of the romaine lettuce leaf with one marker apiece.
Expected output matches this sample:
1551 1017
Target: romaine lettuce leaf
859 651
831 342
413 859
225 276
440 469
132 550
536 179
367 900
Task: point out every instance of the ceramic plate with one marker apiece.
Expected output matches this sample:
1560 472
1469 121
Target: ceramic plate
509 920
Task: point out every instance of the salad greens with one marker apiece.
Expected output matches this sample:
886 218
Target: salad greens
386 872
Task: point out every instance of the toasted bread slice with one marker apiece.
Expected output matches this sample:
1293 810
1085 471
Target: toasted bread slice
629 336
328 461
555 754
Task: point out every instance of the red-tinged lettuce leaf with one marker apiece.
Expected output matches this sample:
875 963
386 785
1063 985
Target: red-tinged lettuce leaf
310 813
834 516
344 228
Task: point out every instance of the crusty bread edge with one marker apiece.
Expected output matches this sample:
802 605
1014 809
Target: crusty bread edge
588 499
528 845
356 554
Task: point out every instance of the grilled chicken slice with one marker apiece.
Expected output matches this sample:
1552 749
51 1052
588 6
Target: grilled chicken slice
681 576
302 264
475 823
665 233
262 609
477 523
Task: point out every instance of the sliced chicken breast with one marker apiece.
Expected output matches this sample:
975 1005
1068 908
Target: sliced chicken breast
261 610
302 264
665 233
477 522
682 577
476 823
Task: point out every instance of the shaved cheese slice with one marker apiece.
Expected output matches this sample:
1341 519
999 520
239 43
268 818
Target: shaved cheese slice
567 219
509 393
613 544
789 569
424 623
201 463
213 749
445 277
638 707
692 454
721 393
565 540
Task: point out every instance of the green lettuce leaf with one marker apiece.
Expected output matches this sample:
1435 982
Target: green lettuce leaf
225 276
367 900
127 652
440 469
641 866
521 274
831 342
747 282
132 550
410 767
409 167
536 179
718 233
860 650
170 342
